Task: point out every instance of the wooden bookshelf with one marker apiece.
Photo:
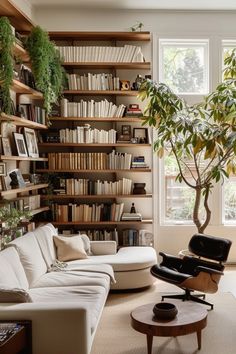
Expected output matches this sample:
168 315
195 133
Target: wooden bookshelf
21 88
101 223
97 119
107 36
22 122
20 52
39 210
17 18
22 190
84 145
101 92
97 196
95 171
109 65
20 158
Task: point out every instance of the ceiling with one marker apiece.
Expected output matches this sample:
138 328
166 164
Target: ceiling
141 4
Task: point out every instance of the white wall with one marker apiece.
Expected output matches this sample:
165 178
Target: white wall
169 24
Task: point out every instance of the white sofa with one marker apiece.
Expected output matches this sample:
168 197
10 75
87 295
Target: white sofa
66 305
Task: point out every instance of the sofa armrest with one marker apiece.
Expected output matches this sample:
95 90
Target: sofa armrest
99 248
57 328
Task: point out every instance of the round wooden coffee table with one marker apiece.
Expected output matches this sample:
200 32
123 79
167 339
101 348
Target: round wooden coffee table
190 318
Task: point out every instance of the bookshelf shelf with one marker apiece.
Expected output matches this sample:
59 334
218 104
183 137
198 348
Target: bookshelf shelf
22 122
19 20
20 158
20 52
109 65
25 189
101 223
84 145
97 119
21 88
98 196
39 210
109 36
101 92
95 171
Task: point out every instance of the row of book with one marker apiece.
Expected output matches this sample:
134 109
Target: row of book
72 186
31 112
103 81
27 203
84 134
91 109
87 213
96 235
126 54
89 161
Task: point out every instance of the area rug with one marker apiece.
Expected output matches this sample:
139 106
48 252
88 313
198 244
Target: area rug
116 336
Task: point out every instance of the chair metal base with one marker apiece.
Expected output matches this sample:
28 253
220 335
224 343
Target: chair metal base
188 296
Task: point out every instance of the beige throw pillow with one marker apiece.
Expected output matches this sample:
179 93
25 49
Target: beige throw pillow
14 295
69 248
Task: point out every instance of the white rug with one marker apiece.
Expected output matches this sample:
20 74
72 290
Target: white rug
116 336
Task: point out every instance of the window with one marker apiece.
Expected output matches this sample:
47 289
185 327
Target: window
184 65
229 198
227 47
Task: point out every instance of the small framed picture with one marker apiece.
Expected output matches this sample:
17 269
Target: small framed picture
126 130
3 169
23 110
20 144
6 147
140 134
31 142
17 179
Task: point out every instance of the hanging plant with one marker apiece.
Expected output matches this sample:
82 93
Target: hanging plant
6 64
46 66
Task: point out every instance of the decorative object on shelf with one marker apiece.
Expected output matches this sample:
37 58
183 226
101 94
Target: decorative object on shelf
31 142
46 65
133 111
146 238
20 144
165 311
17 180
6 146
125 85
139 188
140 134
137 83
6 64
137 26
2 169
196 135
132 209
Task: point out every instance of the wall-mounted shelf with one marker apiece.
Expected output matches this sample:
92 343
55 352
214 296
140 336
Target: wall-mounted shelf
21 88
21 158
109 65
84 145
95 171
101 92
96 119
97 196
20 52
25 189
107 36
17 18
101 223
22 122
39 210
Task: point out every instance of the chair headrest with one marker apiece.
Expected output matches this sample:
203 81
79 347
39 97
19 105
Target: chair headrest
211 247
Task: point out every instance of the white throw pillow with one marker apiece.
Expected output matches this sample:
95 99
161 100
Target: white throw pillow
69 248
14 295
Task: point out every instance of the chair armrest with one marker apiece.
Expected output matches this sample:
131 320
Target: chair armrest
56 327
99 248
207 270
170 261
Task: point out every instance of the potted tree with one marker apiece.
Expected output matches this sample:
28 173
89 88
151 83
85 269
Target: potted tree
202 136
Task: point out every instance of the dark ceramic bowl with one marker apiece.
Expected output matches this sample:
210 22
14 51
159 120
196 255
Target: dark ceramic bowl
165 311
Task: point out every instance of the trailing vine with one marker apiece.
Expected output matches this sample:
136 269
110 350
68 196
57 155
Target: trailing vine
46 66
6 64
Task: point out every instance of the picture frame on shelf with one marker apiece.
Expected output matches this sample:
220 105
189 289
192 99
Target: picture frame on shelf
3 169
17 180
6 146
141 135
31 142
126 130
20 144
23 110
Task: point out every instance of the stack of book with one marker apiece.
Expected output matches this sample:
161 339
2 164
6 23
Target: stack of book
139 162
133 111
131 217
102 81
85 134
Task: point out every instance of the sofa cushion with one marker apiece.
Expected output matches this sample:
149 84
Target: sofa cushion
69 248
92 296
44 235
14 295
12 273
126 259
30 256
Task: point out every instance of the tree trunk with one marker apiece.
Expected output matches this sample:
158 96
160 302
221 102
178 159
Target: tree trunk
196 208
207 210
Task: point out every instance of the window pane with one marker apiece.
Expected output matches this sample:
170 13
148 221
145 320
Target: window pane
179 198
184 67
230 200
